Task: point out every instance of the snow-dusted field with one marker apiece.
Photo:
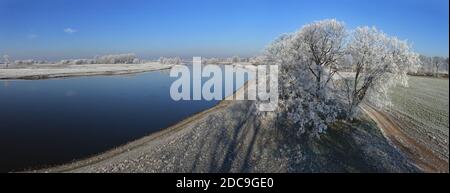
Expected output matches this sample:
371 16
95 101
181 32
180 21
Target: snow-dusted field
423 109
43 71
419 116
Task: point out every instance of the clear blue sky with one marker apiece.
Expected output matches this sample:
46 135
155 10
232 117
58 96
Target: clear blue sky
55 29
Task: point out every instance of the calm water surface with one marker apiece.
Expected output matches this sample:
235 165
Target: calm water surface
55 121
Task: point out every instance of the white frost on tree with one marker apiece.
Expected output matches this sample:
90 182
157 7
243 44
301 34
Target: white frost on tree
210 60
78 61
30 62
435 65
308 60
378 62
106 59
116 59
322 45
175 60
6 60
437 62
235 59
257 60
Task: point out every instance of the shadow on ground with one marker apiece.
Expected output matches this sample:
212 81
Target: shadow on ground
242 144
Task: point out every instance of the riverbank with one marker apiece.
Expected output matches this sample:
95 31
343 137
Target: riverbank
229 138
152 153
43 71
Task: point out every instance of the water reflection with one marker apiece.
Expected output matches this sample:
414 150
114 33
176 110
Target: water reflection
47 122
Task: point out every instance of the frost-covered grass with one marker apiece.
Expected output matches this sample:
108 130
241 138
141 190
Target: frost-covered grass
423 108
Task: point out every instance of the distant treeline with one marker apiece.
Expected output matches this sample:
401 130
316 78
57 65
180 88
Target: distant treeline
257 60
432 66
106 59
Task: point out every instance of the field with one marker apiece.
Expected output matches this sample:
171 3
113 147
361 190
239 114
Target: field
423 112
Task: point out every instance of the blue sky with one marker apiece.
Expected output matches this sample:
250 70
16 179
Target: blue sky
55 29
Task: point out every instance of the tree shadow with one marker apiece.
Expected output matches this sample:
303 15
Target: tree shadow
226 148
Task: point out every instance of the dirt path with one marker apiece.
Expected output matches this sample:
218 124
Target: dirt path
420 155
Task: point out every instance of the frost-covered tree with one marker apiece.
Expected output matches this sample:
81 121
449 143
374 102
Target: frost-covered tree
137 61
77 61
426 66
437 62
321 44
433 65
258 60
307 61
378 62
26 62
178 60
446 67
175 60
210 60
106 59
6 60
116 59
235 59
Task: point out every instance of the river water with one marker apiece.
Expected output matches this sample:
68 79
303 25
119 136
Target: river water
49 122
